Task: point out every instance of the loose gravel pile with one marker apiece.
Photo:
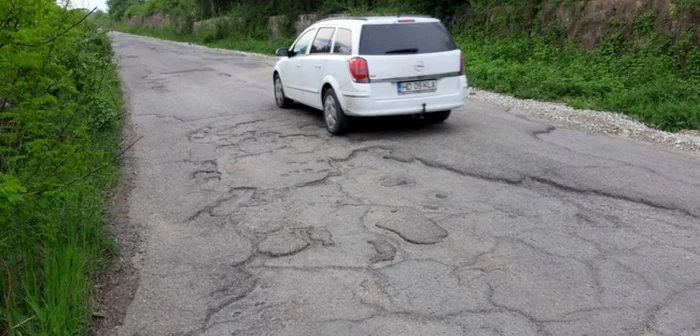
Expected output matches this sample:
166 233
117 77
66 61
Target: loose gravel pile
614 124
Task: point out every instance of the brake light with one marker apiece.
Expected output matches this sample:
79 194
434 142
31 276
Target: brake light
461 63
358 70
407 20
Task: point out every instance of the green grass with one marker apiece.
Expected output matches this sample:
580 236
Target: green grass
54 246
231 42
255 46
641 84
157 32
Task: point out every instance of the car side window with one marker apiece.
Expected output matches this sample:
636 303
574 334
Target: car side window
343 42
322 42
303 43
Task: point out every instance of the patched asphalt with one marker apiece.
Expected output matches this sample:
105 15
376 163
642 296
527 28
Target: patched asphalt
256 222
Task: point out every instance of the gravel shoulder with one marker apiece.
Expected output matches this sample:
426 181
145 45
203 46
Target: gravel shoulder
602 122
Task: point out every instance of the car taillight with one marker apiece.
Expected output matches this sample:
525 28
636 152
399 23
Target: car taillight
358 70
461 63
407 20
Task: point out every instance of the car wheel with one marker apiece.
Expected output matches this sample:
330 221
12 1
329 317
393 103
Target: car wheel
281 100
436 117
337 123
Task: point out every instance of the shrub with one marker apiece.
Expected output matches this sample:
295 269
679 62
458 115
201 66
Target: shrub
59 135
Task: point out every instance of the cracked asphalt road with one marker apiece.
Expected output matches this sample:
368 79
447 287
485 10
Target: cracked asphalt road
256 222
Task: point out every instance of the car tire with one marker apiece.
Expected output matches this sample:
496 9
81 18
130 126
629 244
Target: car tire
337 123
280 99
436 117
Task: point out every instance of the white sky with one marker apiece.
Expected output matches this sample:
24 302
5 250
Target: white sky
89 4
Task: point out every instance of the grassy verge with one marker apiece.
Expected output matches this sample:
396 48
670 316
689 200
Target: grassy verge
60 129
157 32
643 84
261 46
644 81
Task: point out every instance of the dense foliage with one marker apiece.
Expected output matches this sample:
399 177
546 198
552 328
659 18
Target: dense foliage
60 109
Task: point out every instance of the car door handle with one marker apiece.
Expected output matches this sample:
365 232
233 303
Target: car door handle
297 65
318 66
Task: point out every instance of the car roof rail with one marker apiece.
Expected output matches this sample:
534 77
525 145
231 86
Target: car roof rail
415 15
342 18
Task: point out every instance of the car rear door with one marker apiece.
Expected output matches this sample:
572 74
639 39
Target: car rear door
408 57
313 66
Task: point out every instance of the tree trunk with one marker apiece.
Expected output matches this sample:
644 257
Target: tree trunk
213 8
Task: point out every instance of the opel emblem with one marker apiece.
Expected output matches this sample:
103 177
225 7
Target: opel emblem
418 66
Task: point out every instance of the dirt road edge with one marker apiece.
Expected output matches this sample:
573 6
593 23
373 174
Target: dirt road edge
116 287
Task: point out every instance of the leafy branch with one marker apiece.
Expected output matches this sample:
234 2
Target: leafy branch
60 34
93 171
62 133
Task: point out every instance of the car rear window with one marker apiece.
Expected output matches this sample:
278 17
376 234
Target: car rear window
322 42
343 42
405 38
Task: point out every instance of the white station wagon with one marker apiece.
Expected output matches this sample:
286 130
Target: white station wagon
372 66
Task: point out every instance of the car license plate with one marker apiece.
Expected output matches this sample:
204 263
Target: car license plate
417 86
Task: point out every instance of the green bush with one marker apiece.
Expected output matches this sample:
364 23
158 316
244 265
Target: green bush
59 133
644 81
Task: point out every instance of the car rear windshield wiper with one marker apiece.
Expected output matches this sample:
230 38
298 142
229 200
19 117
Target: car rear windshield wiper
402 51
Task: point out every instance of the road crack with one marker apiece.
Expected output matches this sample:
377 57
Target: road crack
163 117
547 130
209 208
525 180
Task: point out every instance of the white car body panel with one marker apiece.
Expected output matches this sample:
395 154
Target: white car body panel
305 75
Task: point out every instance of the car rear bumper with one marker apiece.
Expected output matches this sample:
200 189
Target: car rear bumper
371 107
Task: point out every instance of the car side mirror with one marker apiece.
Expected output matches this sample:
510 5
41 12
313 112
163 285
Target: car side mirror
282 52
